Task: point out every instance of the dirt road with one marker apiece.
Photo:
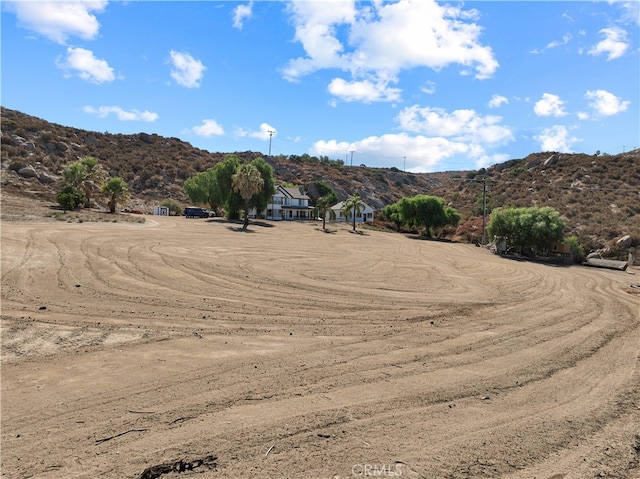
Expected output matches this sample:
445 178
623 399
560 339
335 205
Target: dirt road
287 352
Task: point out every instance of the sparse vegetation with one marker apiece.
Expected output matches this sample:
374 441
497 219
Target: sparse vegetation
154 167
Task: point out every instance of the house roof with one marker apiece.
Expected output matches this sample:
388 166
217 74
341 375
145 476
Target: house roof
293 193
340 206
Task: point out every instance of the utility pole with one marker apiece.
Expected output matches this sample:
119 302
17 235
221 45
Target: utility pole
483 180
271 133
404 165
484 211
351 151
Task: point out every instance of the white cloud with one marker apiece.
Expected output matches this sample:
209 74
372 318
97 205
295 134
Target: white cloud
58 20
487 160
376 41
423 153
121 114
208 128
557 138
614 44
429 88
583 115
87 66
565 39
240 13
461 125
365 91
439 136
549 105
631 12
186 71
497 101
239 132
266 131
606 103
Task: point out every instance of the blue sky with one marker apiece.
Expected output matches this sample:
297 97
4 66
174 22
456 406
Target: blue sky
416 84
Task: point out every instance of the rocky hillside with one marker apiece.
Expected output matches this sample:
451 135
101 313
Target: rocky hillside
598 195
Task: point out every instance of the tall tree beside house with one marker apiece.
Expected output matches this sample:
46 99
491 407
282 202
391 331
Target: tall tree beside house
117 192
247 181
215 187
202 188
323 208
261 200
225 194
354 205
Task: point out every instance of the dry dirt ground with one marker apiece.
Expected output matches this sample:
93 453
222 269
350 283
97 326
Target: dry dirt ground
180 348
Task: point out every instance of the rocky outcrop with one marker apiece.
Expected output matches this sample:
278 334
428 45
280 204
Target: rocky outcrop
27 172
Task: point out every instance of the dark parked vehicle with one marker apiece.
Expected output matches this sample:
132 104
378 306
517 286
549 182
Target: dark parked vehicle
195 212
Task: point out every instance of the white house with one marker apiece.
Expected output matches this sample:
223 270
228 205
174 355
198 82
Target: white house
366 213
287 204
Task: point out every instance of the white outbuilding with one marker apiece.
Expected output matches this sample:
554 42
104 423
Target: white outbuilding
366 213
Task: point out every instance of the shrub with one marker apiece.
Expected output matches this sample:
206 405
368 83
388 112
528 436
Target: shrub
70 198
576 248
175 208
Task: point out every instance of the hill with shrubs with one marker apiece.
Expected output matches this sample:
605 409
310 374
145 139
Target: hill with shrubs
598 195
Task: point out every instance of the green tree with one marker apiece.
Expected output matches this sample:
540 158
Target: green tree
323 208
215 187
202 189
86 175
422 211
527 228
117 192
392 213
247 181
453 216
262 198
70 198
74 175
354 205
94 178
323 188
225 194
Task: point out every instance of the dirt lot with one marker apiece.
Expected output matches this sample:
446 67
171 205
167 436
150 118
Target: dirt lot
180 348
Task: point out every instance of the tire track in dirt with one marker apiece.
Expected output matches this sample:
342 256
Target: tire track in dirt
455 364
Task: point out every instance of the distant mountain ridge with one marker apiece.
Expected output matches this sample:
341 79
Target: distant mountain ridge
599 195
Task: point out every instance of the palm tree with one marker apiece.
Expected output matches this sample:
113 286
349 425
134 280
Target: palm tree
94 177
323 207
86 175
247 181
117 191
355 205
74 175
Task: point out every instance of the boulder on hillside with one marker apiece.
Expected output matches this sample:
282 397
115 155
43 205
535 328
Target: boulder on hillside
533 163
46 178
552 160
626 241
27 172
